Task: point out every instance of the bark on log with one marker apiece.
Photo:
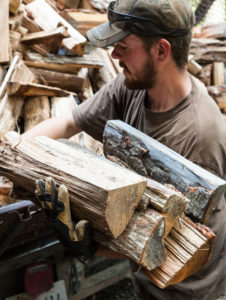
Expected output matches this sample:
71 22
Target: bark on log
152 159
100 192
61 63
68 82
188 248
141 241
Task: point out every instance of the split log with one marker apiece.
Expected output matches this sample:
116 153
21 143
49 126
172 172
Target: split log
84 21
167 200
33 89
193 67
16 21
62 105
30 24
62 4
218 73
218 93
50 39
14 37
8 75
14 6
87 90
4 32
105 74
141 241
100 192
48 19
188 248
36 110
68 82
206 74
11 106
216 31
61 63
154 160
163 197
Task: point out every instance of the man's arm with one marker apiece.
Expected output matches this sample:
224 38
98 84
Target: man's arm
55 128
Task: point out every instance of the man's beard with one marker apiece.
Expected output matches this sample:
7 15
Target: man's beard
144 80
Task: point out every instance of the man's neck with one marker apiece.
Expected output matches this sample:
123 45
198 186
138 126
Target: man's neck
168 91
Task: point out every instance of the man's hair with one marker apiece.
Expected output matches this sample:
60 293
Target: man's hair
180 47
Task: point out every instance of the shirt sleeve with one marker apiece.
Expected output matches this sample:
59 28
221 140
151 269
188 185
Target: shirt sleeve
107 104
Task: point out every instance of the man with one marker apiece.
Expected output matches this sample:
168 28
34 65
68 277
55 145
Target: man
156 95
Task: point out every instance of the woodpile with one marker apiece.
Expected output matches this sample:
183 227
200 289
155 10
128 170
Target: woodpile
47 67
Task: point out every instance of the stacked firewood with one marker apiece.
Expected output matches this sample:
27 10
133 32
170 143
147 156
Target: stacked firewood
207 60
47 67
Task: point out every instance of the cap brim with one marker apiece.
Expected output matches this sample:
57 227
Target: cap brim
106 34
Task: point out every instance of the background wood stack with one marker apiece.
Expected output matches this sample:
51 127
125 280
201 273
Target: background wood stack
47 67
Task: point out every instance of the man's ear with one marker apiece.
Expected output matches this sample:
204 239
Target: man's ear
163 49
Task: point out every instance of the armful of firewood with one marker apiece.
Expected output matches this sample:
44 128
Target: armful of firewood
75 237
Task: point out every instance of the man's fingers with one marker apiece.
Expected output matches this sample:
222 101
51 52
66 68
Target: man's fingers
82 229
40 192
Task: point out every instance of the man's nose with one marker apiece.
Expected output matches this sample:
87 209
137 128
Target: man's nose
116 53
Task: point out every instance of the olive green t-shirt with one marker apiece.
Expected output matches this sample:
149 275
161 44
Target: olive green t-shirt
194 128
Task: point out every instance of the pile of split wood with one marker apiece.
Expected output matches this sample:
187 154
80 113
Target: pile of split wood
47 67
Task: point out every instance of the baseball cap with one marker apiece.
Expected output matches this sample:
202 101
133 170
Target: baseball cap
146 17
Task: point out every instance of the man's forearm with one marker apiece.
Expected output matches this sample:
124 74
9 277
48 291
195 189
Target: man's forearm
55 128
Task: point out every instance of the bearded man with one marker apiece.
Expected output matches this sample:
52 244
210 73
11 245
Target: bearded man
156 95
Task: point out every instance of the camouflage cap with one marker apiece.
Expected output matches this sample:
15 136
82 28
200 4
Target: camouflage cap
146 17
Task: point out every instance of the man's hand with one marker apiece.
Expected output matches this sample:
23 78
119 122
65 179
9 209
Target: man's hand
76 239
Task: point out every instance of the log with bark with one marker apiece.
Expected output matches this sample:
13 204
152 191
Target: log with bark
58 63
141 241
100 192
154 160
68 82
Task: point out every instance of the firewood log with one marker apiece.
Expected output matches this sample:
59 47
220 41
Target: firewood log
188 248
100 192
36 110
61 63
152 159
68 82
39 9
166 199
33 89
141 241
4 32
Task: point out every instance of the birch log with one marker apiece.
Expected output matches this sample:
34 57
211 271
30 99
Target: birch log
100 192
152 159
